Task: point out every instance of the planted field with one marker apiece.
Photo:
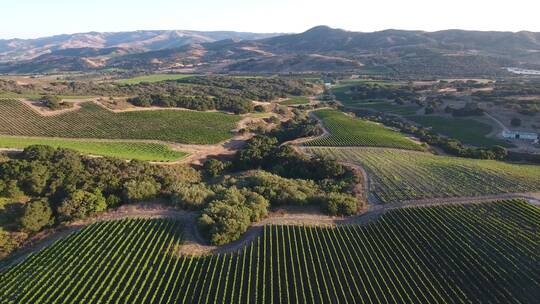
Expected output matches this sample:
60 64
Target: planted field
295 100
348 131
397 175
124 150
93 121
480 253
468 131
153 78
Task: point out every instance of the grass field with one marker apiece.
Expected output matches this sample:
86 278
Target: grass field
153 78
468 131
479 253
124 150
397 175
93 121
348 131
295 100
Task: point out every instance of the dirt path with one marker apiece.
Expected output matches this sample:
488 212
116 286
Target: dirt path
194 243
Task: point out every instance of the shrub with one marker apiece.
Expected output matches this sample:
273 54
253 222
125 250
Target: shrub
281 191
191 196
213 167
229 215
81 204
141 189
37 215
339 204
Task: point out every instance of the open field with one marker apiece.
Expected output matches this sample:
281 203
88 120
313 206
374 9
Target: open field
468 131
348 131
124 150
93 121
295 100
153 78
446 254
397 175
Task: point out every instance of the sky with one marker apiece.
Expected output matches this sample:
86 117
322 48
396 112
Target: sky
39 18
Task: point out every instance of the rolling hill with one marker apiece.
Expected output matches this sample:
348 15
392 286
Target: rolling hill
320 49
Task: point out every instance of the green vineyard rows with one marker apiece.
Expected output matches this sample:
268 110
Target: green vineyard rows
348 131
93 121
119 149
477 253
397 175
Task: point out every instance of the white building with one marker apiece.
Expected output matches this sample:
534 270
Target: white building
520 135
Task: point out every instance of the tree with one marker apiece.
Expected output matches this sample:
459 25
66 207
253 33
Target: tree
230 213
37 214
213 167
81 204
141 189
191 196
339 204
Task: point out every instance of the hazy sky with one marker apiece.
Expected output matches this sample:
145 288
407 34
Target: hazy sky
36 18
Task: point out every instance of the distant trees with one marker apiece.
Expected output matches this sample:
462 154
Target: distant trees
140 189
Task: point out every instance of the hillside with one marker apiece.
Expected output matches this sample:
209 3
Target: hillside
320 49
25 49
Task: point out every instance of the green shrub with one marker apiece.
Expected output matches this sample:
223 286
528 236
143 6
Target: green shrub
81 204
229 215
37 215
141 189
339 204
191 196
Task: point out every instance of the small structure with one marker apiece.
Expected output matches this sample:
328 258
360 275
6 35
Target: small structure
520 135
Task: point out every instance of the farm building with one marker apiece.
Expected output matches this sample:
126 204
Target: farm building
520 135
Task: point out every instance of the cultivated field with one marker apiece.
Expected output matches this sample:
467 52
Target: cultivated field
476 253
295 100
397 175
153 78
93 121
348 131
119 149
468 131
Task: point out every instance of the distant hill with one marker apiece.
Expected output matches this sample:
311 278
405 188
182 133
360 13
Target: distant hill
320 49
24 49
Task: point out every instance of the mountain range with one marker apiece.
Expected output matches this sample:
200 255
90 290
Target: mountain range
320 49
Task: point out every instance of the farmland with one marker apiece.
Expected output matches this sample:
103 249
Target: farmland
119 149
153 78
468 131
397 175
295 100
93 121
348 131
447 254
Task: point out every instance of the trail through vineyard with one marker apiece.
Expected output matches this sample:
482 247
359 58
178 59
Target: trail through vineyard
194 243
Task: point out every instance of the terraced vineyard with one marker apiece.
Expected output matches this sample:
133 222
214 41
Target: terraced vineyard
93 121
348 131
119 149
479 253
397 175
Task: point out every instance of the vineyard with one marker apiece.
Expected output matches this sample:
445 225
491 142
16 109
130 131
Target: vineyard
478 253
295 100
348 131
93 121
397 175
119 149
